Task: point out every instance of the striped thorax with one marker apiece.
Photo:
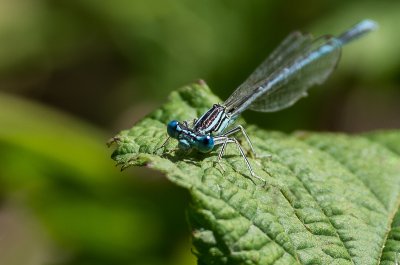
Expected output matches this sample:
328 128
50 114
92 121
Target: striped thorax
214 121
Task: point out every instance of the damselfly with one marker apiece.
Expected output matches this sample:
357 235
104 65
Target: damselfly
298 63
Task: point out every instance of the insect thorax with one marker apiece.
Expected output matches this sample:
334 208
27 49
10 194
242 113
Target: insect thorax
214 121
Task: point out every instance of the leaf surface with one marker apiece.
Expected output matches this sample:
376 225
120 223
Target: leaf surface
328 198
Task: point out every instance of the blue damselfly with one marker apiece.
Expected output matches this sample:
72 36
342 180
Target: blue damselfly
298 63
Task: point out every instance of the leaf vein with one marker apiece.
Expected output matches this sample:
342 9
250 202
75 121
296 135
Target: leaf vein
320 208
251 221
391 216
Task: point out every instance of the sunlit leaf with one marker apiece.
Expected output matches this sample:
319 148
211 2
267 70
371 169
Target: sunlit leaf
328 198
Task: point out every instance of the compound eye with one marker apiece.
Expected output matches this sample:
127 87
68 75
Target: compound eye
206 143
173 129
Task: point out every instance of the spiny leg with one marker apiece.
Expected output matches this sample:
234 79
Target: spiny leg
240 128
221 153
233 140
224 141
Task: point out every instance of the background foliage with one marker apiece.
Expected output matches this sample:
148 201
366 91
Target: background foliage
73 73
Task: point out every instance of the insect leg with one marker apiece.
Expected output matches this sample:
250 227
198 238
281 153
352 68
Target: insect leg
221 140
224 140
240 128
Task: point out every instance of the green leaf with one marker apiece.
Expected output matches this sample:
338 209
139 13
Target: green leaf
328 198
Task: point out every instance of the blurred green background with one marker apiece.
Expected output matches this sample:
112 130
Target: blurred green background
74 73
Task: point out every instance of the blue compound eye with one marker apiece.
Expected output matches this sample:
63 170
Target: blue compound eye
205 143
173 129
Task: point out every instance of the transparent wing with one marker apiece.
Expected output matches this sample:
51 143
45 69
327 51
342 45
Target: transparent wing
311 70
308 64
291 47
